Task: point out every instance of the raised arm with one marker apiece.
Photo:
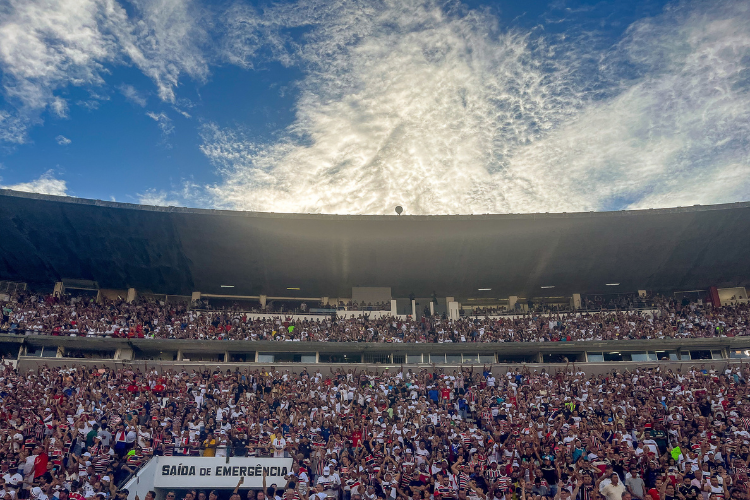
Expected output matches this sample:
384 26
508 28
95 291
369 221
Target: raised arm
242 480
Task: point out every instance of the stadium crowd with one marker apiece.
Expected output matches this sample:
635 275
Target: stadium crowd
77 316
462 434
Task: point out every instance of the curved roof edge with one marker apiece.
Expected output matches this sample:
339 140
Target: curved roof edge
239 213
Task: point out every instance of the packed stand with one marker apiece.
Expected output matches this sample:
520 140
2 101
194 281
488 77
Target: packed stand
648 434
47 315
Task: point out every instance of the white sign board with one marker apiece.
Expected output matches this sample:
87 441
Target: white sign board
217 472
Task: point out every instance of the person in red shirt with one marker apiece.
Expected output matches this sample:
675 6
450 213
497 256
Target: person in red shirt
654 492
40 462
445 393
356 437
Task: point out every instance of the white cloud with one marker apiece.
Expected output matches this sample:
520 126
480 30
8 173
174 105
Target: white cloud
156 198
164 122
59 107
437 109
45 184
62 140
166 41
423 103
132 94
49 45
12 128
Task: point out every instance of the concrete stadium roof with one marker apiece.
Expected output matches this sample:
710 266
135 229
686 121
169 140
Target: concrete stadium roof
180 250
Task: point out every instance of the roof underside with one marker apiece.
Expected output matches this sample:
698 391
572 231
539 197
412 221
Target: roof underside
177 251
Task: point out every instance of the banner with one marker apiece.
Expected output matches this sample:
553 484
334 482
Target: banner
218 472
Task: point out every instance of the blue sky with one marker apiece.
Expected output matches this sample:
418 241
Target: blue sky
359 106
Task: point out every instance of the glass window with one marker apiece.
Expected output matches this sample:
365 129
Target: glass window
437 358
486 358
516 358
377 357
34 351
454 359
551 358
285 357
340 358
739 353
471 358
617 356
643 356
413 359
49 352
595 357
666 355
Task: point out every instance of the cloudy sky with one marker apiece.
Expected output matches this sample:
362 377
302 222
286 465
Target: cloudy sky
356 106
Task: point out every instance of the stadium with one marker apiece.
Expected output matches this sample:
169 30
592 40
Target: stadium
374 250
162 352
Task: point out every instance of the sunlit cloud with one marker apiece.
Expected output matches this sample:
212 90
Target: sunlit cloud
155 197
441 111
427 104
47 183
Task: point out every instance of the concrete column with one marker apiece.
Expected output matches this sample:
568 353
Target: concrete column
317 357
512 300
453 310
131 295
641 293
59 289
179 354
195 296
226 356
394 307
263 301
324 300
576 301
60 352
413 309
432 308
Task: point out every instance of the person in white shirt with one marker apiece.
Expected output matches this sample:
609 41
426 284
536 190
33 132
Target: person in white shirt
330 483
279 445
615 489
